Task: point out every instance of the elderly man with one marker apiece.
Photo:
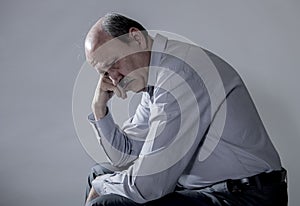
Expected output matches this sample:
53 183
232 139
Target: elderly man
195 138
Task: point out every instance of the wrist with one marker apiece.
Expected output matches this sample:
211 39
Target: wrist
100 113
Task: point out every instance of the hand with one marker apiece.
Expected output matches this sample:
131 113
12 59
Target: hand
92 195
104 91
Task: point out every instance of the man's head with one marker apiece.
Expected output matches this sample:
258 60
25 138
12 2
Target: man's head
117 25
118 46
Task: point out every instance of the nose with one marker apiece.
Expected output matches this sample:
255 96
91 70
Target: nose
114 76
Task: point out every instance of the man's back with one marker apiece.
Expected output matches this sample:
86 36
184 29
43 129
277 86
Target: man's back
243 148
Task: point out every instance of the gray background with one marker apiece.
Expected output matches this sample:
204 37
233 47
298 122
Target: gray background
41 42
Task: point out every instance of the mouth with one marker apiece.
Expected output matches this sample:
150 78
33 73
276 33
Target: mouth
125 81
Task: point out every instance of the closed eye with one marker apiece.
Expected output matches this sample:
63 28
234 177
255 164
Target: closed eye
102 72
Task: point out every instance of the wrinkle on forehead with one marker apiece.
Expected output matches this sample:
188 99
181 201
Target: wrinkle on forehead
99 45
109 49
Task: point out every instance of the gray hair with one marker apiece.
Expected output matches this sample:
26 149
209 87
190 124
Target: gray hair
117 25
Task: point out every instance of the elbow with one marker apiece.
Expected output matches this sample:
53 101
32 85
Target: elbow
122 160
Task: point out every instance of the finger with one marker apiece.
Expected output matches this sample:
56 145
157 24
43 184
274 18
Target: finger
105 84
107 87
92 195
119 91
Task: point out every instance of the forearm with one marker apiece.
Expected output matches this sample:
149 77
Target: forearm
100 112
136 184
104 91
119 148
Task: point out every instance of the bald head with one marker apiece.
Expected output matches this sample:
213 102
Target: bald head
96 37
110 26
121 30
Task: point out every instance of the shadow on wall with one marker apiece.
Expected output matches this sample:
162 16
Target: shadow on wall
280 123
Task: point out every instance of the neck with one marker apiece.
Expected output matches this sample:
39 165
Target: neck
149 43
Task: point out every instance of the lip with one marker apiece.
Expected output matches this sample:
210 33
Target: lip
125 81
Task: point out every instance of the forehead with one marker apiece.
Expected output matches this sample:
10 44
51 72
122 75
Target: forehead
111 49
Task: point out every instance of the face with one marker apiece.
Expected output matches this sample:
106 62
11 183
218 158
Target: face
126 64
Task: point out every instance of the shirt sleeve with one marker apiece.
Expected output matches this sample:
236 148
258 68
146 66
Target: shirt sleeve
169 147
123 145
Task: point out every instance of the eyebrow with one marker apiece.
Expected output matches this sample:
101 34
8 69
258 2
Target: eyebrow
111 62
93 63
107 64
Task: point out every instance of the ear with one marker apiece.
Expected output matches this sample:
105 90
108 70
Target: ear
137 36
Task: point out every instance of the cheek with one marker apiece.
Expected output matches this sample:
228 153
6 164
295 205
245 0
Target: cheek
137 85
125 66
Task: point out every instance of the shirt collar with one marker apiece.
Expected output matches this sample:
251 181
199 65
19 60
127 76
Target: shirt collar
158 48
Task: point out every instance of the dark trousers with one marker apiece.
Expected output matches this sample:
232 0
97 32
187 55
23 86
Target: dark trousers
222 194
